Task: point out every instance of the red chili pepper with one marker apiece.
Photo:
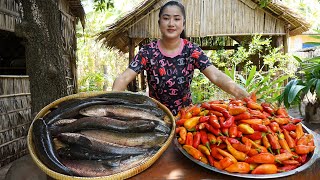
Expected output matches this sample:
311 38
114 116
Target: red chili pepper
196 139
214 153
257 114
212 139
274 127
225 131
293 134
254 105
215 107
274 142
213 121
255 136
189 140
241 147
210 159
180 122
259 127
239 135
204 138
233 131
287 168
242 116
289 127
205 105
228 122
295 120
282 112
281 121
203 119
216 132
267 108
218 114
233 140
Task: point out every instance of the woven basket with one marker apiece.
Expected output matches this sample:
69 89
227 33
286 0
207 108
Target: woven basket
122 175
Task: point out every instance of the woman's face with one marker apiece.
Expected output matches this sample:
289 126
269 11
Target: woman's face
171 22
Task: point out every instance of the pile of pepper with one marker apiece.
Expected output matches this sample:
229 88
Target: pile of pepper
243 136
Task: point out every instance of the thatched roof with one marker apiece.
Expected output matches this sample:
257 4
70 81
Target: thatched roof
231 18
77 10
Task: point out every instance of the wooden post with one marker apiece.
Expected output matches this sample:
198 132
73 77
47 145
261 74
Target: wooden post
142 78
286 40
132 85
105 75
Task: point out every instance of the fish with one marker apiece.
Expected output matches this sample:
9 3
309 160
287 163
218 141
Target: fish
99 144
105 123
89 168
69 110
126 112
63 122
133 98
77 152
144 140
44 147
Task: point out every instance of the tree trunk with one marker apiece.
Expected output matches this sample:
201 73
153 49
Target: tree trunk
40 28
312 112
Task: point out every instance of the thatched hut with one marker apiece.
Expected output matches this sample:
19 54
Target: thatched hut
15 97
206 20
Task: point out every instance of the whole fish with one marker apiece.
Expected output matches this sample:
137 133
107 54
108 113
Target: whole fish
105 123
126 112
44 148
133 98
88 168
76 152
69 110
144 140
99 144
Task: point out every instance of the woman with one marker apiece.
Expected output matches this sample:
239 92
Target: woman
170 63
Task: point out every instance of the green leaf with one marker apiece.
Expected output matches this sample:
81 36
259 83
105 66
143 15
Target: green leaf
298 59
294 92
251 75
317 90
287 90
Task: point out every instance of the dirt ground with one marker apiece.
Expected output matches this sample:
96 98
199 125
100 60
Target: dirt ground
25 169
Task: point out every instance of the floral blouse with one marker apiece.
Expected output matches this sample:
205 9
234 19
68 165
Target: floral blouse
170 75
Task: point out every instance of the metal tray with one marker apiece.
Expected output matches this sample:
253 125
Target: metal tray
315 156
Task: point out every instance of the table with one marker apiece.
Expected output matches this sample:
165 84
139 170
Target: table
174 165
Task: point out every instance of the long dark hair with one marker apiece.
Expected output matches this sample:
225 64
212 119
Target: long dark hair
176 3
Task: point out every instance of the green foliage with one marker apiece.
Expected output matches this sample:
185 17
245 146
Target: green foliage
102 5
264 3
309 81
267 81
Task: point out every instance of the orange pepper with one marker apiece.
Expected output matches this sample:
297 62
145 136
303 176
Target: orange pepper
245 129
299 131
283 143
266 143
225 162
245 115
212 139
251 121
239 167
252 152
265 169
235 110
305 139
233 131
258 147
254 105
226 154
189 139
215 153
266 121
302 149
281 121
282 112
182 135
261 158
289 139
241 147
191 123
194 110
195 153
217 113
217 165
283 156
204 149
236 154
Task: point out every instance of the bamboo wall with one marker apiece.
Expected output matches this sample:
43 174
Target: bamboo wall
214 18
15 117
9 15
